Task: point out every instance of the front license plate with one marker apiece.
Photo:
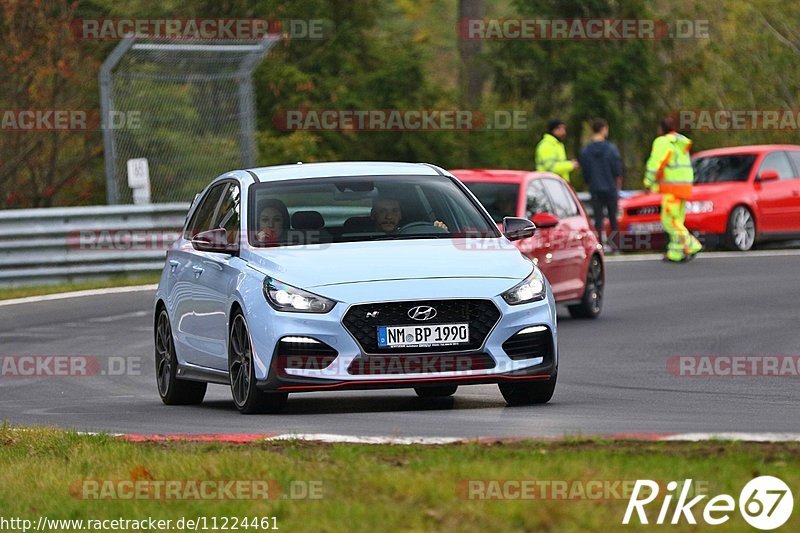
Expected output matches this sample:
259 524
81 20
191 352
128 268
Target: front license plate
422 336
647 227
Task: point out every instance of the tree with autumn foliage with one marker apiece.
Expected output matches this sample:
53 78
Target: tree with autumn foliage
44 69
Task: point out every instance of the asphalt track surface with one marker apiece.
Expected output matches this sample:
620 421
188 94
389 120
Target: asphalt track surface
613 371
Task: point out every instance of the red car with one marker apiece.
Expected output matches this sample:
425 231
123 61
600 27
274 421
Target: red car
742 195
565 246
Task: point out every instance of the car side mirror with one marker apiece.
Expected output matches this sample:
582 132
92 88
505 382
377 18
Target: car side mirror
545 220
515 228
214 240
768 175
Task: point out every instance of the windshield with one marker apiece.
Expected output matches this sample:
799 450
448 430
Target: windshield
349 209
723 168
500 199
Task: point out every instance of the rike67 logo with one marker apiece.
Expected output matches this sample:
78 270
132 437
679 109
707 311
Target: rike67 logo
765 503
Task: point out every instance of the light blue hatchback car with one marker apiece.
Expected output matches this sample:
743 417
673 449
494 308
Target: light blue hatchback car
361 275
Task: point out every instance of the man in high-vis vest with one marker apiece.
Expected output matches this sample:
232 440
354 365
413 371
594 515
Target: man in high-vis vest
669 172
550 153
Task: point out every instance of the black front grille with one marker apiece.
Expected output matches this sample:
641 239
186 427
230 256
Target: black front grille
362 322
530 345
418 364
646 210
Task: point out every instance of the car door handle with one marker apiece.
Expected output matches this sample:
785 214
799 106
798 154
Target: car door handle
173 265
197 271
795 193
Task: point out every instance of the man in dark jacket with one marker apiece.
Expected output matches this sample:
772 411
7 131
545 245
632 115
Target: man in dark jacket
602 171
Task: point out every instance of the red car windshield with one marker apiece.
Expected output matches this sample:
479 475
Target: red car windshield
500 199
723 168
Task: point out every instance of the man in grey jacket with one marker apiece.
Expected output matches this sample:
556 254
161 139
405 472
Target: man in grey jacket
602 171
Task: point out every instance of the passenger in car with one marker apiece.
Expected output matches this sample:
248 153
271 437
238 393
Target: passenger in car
273 221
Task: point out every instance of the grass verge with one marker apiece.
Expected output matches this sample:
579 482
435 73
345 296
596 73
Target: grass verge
8 293
49 473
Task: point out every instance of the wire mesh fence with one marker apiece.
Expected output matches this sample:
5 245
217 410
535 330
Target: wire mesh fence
188 108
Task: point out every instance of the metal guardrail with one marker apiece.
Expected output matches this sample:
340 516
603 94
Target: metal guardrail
39 246
64 244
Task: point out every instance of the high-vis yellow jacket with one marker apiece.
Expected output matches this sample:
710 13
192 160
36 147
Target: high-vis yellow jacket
669 167
552 157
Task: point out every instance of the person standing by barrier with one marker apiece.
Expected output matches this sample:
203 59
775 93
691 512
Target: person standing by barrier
669 172
602 172
551 156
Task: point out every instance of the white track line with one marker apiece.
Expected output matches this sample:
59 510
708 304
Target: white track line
622 258
680 437
353 439
744 437
77 294
644 437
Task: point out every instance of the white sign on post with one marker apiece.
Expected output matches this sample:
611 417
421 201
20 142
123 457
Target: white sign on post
139 180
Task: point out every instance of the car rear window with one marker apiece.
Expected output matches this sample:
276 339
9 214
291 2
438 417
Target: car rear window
722 168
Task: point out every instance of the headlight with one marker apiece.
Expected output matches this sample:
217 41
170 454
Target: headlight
699 207
284 297
531 289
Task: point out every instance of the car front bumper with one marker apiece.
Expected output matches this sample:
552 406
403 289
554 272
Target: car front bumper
272 374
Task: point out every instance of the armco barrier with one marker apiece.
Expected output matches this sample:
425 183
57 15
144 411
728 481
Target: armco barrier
42 245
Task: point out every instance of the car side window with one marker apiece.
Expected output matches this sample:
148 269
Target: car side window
778 162
537 201
228 217
563 202
204 214
795 157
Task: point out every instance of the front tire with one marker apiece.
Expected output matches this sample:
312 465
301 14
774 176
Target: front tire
173 391
246 396
528 393
741 234
592 301
436 391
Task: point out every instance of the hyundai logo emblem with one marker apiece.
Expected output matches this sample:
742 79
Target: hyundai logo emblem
421 312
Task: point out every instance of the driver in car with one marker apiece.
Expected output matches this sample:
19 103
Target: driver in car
386 215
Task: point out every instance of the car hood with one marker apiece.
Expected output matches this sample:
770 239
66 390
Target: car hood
360 262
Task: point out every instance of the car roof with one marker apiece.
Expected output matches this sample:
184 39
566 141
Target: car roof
500 175
343 168
751 149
